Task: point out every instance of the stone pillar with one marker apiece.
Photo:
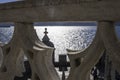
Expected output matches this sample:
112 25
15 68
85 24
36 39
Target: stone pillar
11 53
38 54
110 40
86 59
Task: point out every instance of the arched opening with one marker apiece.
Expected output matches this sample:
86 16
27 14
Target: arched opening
71 35
67 35
6 34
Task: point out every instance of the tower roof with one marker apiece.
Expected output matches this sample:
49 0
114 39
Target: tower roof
45 38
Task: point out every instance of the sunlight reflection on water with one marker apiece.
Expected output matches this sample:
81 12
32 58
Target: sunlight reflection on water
63 37
75 38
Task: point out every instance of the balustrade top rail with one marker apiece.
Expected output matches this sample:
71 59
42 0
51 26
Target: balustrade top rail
77 10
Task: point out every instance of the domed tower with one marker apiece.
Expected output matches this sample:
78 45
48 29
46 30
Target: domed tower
46 41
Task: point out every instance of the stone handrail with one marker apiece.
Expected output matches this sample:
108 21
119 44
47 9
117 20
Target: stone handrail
23 11
26 42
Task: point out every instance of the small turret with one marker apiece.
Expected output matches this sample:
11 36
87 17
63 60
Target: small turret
46 39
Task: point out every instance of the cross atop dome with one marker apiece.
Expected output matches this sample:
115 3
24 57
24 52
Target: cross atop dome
45 38
46 31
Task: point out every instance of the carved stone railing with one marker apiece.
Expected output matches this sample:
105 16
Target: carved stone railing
26 42
87 59
105 39
23 11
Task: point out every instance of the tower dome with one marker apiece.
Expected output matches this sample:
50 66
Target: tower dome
46 39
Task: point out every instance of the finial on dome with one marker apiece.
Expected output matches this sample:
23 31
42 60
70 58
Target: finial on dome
45 38
46 31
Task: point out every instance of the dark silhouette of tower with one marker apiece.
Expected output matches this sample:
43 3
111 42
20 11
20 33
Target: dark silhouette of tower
46 41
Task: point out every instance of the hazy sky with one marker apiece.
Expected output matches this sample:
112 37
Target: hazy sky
3 1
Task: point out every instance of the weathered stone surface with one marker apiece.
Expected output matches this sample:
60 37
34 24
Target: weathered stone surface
84 11
10 56
20 64
83 61
26 42
39 55
111 42
8 69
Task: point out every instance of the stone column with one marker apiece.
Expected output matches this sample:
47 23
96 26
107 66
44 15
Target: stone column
25 40
38 54
111 42
11 52
86 59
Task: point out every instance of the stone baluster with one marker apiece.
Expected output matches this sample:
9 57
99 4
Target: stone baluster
82 62
25 41
111 42
39 55
106 34
11 53
75 60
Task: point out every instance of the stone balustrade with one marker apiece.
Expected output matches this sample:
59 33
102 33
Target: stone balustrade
22 11
105 39
26 42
